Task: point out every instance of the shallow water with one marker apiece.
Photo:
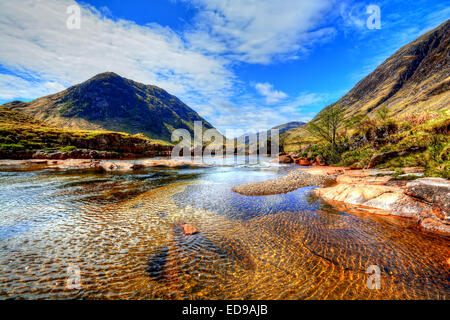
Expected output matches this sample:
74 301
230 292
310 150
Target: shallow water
121 233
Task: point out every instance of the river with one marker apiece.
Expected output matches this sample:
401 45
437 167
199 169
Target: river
90 235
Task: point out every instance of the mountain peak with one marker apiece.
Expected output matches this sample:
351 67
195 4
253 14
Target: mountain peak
105 75
110 102
413 79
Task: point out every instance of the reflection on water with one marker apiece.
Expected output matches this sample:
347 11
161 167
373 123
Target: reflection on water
123 232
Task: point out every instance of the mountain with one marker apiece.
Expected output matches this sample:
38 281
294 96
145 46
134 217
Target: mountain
414 79
23 137
288 126
110 102
281 128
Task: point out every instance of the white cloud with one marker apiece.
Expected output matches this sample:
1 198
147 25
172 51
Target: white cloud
259 31
43 56
37 44
12 87
272 96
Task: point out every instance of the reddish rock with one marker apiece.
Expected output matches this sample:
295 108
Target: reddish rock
303 162
435 191
319 161
285 159
188 229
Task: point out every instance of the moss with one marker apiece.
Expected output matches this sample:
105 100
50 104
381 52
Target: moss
67 148
11 147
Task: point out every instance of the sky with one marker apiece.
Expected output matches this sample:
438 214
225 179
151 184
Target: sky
244 66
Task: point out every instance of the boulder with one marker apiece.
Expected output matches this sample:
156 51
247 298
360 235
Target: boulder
285 159
303 162
435 191
188 229
119 166
319 161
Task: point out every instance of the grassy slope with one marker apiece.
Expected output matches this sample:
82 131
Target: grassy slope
415 79
20 132
430 131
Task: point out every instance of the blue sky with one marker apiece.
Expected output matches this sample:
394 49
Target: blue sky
243 65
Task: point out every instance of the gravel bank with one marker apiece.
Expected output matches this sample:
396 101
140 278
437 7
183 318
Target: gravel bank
323 177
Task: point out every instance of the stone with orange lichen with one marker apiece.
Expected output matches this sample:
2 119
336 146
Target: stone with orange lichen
189 229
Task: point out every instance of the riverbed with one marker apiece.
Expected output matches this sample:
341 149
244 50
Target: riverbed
68 234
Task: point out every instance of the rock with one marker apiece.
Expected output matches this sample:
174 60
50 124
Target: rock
170 163
407 170
434 226
356 194
302 162
188 229
319 161
435 191
285 159
380 158
120 166
425 200
362 177
75 164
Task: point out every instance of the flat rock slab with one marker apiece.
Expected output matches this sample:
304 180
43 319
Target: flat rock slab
432 190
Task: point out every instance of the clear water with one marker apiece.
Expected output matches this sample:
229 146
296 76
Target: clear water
121 231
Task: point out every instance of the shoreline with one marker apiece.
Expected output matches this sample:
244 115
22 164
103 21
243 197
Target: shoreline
426 200
104 165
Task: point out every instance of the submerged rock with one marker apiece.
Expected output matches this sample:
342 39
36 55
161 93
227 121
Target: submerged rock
188 229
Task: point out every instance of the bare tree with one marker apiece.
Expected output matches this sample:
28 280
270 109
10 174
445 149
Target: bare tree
326 127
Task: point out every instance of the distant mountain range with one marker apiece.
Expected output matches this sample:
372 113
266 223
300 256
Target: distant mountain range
113 103
415 79
281 128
